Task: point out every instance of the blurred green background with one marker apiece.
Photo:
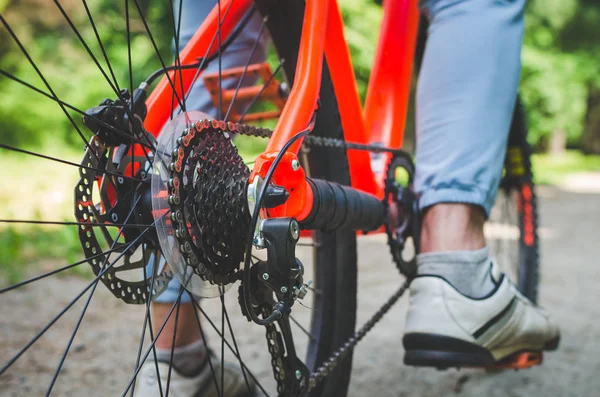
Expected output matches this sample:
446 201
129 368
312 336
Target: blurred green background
560 88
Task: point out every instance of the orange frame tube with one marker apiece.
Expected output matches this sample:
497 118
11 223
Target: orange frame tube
388 92
302 101
160 100
386 106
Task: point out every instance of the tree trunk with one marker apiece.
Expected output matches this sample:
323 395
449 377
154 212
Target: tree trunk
558 142
590 142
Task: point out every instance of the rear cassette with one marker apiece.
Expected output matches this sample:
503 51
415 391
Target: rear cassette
199 191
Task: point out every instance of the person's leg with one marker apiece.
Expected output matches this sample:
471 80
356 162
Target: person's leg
463 311
465 98
190 353
193 12
239 52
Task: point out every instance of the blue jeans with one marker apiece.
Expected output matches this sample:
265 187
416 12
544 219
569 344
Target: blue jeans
465 96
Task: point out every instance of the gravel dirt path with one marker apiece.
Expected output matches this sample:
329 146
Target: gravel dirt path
103 354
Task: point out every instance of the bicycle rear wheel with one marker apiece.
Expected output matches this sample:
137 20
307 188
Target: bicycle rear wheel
512 230
331 256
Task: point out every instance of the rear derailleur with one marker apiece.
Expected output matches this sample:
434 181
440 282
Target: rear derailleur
275 285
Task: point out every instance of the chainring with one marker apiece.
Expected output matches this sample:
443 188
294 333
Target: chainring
405 205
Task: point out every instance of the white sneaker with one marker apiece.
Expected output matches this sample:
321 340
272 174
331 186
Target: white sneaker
201 385
445 328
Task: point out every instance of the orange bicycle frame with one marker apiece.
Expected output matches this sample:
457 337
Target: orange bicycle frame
384 116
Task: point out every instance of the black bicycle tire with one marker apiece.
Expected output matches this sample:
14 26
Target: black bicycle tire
518 176
335 256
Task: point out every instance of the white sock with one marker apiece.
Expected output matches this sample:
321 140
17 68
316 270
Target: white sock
188 360
468 271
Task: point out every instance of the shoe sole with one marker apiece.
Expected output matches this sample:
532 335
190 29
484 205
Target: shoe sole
443 352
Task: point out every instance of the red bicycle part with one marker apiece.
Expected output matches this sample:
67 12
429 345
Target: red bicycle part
271 92
289 175
160 101
302 101
521 360
389 86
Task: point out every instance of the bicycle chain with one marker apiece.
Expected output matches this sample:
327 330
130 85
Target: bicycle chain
274 338
276 349
343 351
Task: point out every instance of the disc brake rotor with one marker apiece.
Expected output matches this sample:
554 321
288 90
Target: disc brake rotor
136 262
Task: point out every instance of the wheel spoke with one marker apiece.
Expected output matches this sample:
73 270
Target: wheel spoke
69 305
174 338
235 345
73 108
66 223
204 60
66 351
93 24
128 35
212 369
230 347
219 49
114 87
55 159
87 47
95 60
262 89
151 332
155 46
239 85
312 338
160 330
216 329
147 320
176 35
52 272
223 338
41 76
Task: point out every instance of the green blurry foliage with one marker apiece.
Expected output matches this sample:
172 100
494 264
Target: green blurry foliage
362 19
29 119
23 247
561 56
560 60
561 66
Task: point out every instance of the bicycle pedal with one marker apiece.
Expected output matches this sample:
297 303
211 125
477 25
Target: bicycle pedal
522 360
269 90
